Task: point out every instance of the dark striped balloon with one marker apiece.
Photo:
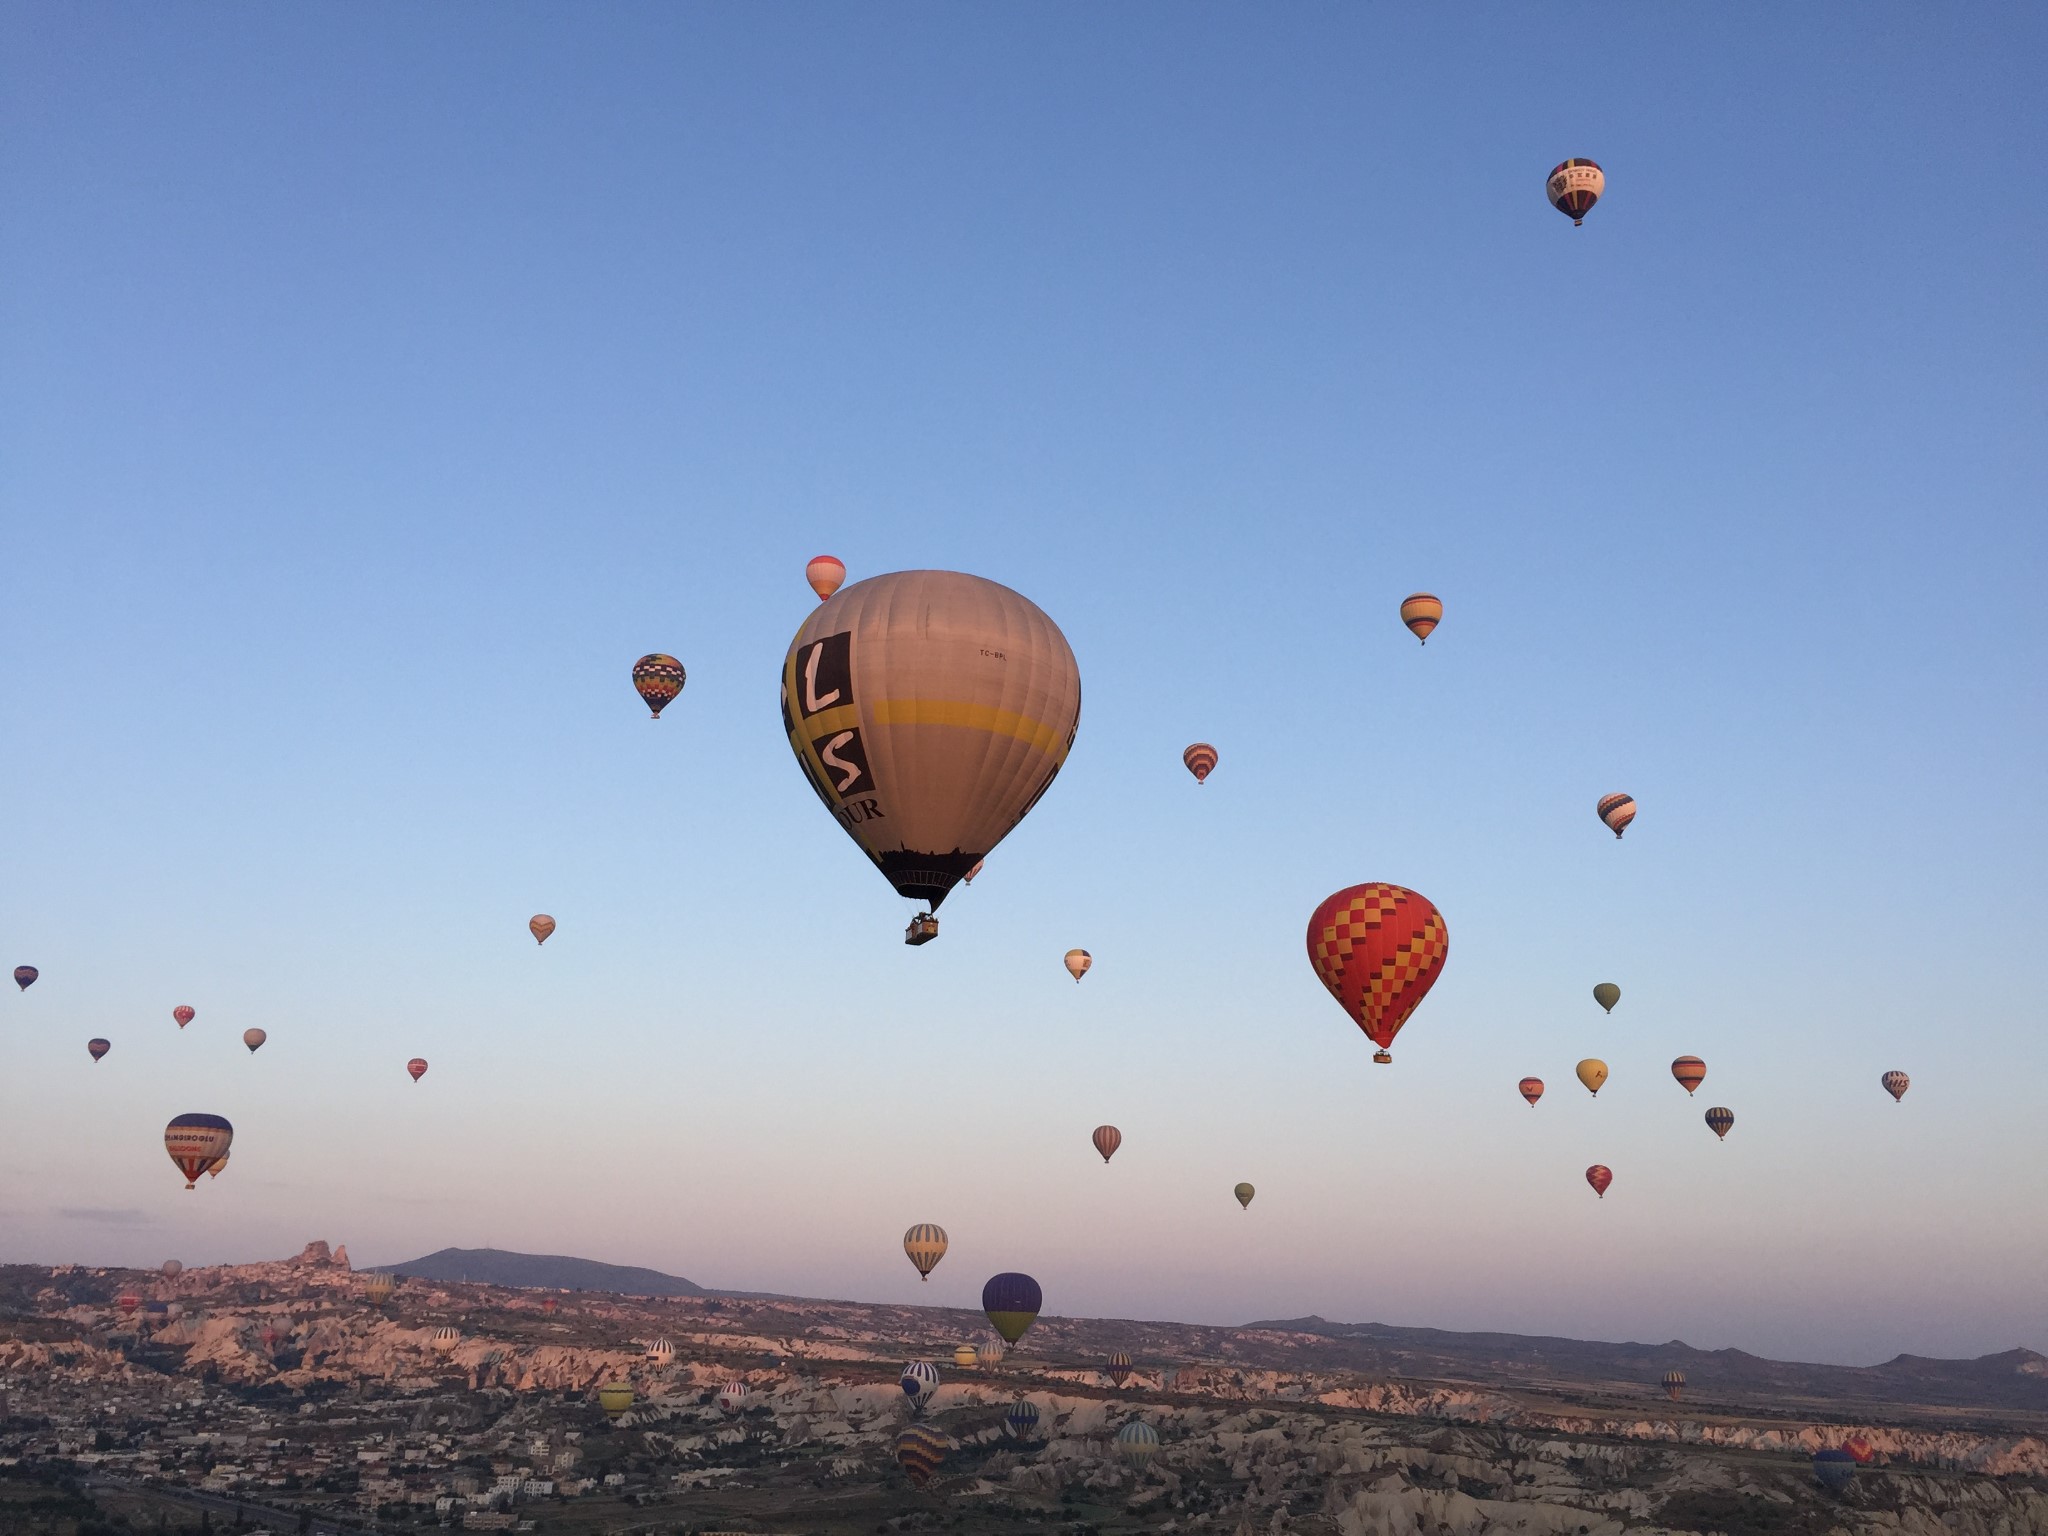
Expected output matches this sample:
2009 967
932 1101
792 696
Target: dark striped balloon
1022 1418
1690 1072
1107 1139
1201 761
1674 1384
1531 1089
98 1048
1834 1469
1896 1084
919 1451
1617 811
1119 1368
1720 1121
1012 1302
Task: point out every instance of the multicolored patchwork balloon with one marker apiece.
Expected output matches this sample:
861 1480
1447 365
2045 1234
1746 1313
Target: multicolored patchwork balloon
920 1451
658 678
1378 948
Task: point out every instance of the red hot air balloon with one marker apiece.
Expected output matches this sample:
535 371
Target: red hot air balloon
184 1013
1532 1089
1617 811
825 573
1860 1450
128 1301
98 1048
1600 1176
548 1305
1107 1139
1379 948
1201 761
1690 1072
417 1067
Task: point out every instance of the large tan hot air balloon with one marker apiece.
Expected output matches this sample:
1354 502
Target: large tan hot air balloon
929 710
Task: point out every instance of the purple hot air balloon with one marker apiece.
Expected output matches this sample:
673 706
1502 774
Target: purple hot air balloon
25 976
98 1047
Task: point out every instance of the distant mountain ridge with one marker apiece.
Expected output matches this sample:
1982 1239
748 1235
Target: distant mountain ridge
545 1271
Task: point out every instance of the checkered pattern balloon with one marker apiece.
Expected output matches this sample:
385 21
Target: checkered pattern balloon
1379 949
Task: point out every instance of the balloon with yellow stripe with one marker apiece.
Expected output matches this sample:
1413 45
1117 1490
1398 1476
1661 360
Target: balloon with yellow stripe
929 710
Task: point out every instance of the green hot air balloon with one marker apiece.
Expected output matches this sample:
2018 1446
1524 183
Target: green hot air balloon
1244 1194
1607 994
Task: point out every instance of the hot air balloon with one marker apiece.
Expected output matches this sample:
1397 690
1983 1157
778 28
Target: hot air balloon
1617 811
1244 1193
1012 1302
219 1167
1107 1139
1690 1072
196 1143
1574 187
1674 1384
540 925
1600 1176
1834 1469
184 1013
963 1356
1592 1072
968 878
1720 1121
377 1287
1201 761
1137 1442
1896 1084
445 1339
1119 1370
658 679
270 1337
1532 1089
253 1038
1860 1450
1022 1418
825 573
1379 949
989 1355
1422 612
616 1399
128 1301
417 1067
926 1245
1077 962
1169 1378
929 710
920 1379
661 1352
96 1048
172 1269
920 1449
731 1396
548 1305
25 976
1607 994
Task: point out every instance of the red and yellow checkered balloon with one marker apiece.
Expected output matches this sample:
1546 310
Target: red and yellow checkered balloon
1379 949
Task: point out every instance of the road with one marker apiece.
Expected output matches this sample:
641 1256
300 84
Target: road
284 1521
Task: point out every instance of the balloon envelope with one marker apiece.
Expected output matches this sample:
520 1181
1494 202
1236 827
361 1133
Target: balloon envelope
920 1449
1137 1442
540 925
925 1243
1573 187
1690 1072
1200 760
825 573
989 1355
1012 1302
1244 1193
1077 962
1720 1121
377 1288
1607 994
929 710
1119 1370
1600 1176
417 1067
1896 1084
1674 1384
731 1395
97 1048
658 678
25 976
184 1013
615 1398
1107 1139
172 1269
920 1379
963 1356
1378 948
1422 612
1617 811
196 1142
253 1038
1531 1089
1592 1072
1022 1418
1834 1469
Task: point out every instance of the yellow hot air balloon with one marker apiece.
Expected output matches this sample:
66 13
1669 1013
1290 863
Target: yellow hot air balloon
963 1356
1422 612
925 1243
929 710
615 1398
1592 1072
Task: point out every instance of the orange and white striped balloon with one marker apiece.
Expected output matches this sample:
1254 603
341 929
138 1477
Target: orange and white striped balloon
825 573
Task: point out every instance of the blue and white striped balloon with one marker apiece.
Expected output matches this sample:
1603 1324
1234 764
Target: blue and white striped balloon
919 1381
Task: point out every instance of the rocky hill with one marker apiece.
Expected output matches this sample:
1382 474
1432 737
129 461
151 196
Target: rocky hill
544 1271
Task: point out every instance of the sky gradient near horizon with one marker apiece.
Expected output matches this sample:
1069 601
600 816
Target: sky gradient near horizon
380 381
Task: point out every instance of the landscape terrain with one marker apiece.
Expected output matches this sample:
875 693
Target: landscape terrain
277 1395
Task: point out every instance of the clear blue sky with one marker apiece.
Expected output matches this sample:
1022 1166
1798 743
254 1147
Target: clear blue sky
379 381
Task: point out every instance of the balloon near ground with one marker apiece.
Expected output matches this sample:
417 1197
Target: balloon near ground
1137 1442
615 1398
1690 1072
97 1048
1378 948
1200 760
172 1269
925 1244
920 1379
377 1288
1012 1302
1531 1088
1834 1470
661 1351
963 1356
417 1068
920 1451
1674 1384
989 1355
1617 811
1244 1193
731 1396
1593 1073
1896 1084
1077 963
196 1142
1720 1122
1607 994
445 1339
1107 1139
1422 612
1573 187
929 711
658 678
540 925
1022 1418
1119 1369
825 573
1600 1176
184 1014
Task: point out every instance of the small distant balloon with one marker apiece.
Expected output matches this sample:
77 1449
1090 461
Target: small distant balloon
254 1038
825 573
1078 961
731 1396
1593 1073
1244 1193
417 1067
1119 1370
196 1142
963 1356
1201 761
1107 1139
172 1269
1720 1121
1607 994
920 1451
658 678
1835 1469
1012 1302
989 1355
219 1167
377 1287
540 925
1600 1176
1573 187
920 1379
97 1048
968 878
1617 811
1021 1418
1674 1384
1690 1072
925 1244
1137 1442
25 976
184 1013
1860 1450
128 1301
1422 612
1531 1088
1896 1084
445 1339
616 1399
